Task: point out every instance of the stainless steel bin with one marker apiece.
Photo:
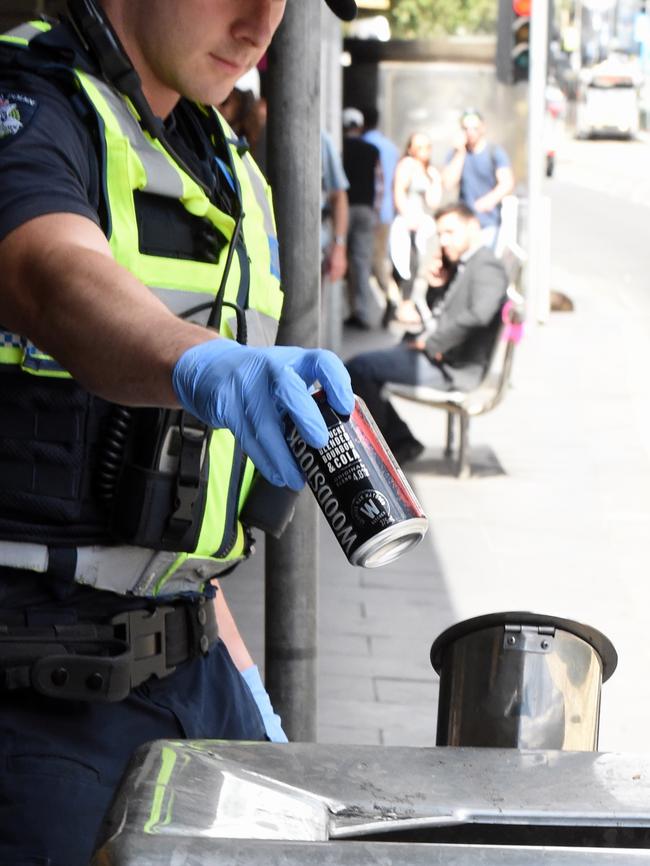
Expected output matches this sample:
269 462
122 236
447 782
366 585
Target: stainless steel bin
521 680
211 803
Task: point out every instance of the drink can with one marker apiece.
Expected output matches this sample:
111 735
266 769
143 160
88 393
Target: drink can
364 495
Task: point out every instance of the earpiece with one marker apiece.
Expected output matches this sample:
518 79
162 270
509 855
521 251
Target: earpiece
98 36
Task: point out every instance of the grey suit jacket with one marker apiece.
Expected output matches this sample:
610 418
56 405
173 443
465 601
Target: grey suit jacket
469 320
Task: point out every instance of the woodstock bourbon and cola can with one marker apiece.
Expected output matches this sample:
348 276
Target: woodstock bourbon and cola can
359 487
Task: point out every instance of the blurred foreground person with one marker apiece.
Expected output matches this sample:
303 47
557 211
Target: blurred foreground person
136 242
453 351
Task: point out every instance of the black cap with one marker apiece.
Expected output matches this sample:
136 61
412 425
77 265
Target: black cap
345 9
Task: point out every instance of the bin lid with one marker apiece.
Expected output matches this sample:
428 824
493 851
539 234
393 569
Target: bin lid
214 802
603 646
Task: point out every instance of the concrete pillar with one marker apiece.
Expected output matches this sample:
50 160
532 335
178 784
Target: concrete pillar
295 176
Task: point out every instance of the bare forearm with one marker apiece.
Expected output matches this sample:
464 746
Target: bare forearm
504 185
340 212
453 171
73 301
501 190
229 633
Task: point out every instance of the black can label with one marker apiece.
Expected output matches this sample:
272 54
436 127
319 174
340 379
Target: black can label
357 483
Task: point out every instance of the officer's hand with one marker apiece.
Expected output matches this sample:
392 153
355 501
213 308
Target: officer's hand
249 391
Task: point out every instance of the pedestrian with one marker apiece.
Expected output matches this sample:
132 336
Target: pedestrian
135 240
480 171
363 169
335 217
389 157
417 192
453 350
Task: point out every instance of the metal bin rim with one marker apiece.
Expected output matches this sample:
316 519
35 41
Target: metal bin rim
587 633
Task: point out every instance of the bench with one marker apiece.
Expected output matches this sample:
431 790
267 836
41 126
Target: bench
463 405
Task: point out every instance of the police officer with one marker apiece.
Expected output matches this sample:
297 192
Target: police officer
140 294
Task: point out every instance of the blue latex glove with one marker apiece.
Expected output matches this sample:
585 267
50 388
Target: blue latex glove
272 721
249 390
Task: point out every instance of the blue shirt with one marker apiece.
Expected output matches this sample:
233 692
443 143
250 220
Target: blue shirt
479 177
333 176
388 157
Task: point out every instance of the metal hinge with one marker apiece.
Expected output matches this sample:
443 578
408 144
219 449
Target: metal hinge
529 638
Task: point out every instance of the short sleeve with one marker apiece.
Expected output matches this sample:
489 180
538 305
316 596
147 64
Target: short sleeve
47 159
501 159
334 176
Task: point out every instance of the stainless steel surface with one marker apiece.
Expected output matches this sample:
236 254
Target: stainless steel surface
157 851
389 544
384 802
519 684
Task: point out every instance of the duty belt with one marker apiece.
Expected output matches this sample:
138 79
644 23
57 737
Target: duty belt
104 661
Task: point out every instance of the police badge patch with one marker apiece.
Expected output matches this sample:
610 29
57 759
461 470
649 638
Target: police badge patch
16 111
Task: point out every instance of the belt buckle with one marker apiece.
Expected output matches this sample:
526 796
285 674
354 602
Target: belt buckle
145 633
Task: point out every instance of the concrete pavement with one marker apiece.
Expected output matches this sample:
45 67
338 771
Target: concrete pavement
555 519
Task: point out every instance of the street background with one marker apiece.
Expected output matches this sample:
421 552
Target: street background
556 518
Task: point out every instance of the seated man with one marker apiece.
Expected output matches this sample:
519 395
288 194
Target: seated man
453 350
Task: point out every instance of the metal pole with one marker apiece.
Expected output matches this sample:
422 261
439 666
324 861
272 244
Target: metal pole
295 176
538 293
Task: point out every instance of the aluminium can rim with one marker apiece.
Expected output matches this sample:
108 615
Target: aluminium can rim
409 532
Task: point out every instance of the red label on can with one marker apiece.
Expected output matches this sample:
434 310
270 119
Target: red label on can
357 483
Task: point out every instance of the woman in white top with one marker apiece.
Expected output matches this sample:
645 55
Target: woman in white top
417 191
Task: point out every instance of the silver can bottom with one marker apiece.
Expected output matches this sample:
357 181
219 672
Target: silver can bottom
389 544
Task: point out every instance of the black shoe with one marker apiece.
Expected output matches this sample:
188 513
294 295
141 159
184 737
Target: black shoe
389 314
354 321
405 452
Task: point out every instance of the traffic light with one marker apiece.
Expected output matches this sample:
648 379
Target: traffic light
520 54
513 41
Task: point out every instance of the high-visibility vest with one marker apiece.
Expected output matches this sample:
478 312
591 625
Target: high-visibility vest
132 162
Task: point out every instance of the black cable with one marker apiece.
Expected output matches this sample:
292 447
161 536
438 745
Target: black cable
111 455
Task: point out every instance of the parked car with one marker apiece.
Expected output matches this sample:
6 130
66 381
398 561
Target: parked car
608 99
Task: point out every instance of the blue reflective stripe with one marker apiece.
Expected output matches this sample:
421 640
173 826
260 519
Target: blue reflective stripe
8 338
225 170
36 360
274 250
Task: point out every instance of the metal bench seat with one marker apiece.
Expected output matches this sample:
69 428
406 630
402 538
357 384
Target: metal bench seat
490 391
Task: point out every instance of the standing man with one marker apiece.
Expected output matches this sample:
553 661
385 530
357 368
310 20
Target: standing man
135 242
389 157
363 169
453 351
335 217
481 172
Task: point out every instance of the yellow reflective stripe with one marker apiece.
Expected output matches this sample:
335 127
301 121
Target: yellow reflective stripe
222 447
259 186
163 796
24 33
161 176
125 171
11 354
50 374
